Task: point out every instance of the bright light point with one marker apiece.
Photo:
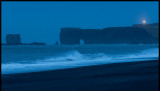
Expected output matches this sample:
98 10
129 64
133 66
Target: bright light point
144 21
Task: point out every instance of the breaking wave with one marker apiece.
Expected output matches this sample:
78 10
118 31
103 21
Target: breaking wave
73 59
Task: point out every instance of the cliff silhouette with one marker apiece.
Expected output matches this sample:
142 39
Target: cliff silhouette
136 34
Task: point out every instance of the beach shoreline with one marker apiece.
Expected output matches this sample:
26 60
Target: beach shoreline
131 76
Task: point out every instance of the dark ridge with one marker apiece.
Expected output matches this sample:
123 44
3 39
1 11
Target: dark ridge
137 34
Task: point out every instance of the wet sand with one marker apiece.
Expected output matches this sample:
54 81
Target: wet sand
133 76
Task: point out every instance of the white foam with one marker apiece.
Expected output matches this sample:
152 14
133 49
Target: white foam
74 59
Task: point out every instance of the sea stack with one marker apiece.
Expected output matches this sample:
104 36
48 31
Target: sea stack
13 39
56 43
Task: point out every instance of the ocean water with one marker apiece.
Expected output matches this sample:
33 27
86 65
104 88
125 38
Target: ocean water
34 58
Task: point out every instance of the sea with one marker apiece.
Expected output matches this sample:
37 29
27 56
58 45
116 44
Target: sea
35 58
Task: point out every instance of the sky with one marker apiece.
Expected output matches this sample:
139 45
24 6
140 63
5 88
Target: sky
40 21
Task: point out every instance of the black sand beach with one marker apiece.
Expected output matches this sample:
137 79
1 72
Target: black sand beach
134 76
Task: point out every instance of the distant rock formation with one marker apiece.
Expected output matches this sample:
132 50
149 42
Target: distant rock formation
3 44
137 34
56 43
152 29
13 39
37 43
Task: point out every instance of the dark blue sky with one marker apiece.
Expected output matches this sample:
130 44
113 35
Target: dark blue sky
41 21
